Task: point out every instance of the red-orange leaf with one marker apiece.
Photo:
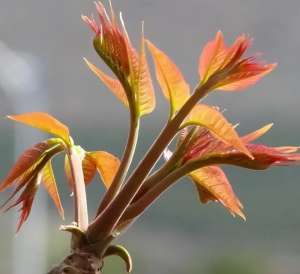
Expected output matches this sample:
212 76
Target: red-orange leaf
25 211
25 199
232 70
44 122
211 57
264 157
213 185
26 175
205 146
27 159
110 42
171 80
245 74
113 84
48 180
107 165
114 46
214 121
88 167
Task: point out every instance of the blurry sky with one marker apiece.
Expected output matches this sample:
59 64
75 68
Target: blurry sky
54 34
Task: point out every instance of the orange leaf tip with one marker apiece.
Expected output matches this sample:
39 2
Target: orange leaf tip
45 122
213 185
172 83
211 119
257 133
111 83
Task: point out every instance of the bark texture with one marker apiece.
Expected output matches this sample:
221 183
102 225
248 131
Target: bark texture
79 262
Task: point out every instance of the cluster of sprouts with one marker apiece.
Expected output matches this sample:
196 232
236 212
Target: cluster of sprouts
204 138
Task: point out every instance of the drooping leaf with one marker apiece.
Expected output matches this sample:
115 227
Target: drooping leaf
25 200
171 80
25 211
122 252
213 185
26 160
210 118
44 122
107 165
257 133
113 84
144 88
26 176
48 180
68 173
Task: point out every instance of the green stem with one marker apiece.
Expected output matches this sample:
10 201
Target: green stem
81 211
152 180
104 224
124 166
167 168
152 194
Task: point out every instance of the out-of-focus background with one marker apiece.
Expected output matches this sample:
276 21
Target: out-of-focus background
41 69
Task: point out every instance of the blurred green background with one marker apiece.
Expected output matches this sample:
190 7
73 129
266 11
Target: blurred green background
177 234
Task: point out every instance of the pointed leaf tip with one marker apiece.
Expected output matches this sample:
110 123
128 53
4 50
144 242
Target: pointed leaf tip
106 164
246 75
111 83
44 122
25 161
257 133
213 185
210 118
48 181
172 83
212 56
233 71
144 87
